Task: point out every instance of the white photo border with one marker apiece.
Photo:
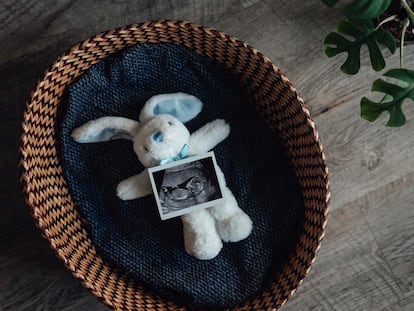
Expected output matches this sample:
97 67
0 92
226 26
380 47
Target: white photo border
193 208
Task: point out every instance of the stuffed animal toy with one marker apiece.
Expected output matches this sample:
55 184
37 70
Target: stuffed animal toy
161 137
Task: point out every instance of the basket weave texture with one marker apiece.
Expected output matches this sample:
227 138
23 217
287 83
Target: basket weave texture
273 96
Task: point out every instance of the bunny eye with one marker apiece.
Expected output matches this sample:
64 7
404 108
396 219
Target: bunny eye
170 123
145 148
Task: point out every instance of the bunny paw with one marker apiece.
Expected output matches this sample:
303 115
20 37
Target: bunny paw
134 187
204 247
124 191
221 128
235 228
87 133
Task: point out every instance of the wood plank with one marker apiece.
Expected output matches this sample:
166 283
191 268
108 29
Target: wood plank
276 28
390 216
32 278
23 24
372 239
350 272
406 304
281 37
361 156
68 22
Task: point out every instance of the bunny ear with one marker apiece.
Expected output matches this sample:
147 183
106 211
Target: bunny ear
104 129
182 106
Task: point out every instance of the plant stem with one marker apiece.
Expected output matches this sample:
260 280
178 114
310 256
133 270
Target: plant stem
407 8
388 19
406 22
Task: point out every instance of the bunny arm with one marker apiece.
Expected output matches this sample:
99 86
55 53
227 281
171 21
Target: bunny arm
134 187
208 136
104 129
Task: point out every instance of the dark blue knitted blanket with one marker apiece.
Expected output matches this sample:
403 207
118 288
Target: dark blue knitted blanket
130 234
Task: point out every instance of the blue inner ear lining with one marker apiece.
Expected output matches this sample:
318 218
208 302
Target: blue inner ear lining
107 134
184 107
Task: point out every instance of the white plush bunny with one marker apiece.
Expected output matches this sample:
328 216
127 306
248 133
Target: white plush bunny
161 136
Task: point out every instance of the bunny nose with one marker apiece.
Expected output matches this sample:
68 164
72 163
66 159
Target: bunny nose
158 137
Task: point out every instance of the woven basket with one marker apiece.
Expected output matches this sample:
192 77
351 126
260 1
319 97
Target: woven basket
269 91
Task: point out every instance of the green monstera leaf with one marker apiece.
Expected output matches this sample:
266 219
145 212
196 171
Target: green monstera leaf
365 9
363 32
361 9
394 98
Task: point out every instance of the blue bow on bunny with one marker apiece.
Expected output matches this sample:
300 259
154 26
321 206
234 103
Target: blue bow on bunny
181 155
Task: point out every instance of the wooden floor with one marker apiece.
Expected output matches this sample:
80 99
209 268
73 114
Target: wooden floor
367 258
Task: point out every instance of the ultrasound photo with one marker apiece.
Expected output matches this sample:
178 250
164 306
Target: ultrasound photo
186 185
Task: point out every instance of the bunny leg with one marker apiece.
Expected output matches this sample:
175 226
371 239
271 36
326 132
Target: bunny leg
201 239
134 187
232 223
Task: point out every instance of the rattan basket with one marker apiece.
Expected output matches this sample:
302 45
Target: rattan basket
269 90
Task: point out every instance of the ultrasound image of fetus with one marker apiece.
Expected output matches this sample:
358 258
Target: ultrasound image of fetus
187 185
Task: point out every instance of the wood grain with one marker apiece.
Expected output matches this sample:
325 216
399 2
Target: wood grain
406 304
362 156
350 272
371 242
366 260
31 277
390 217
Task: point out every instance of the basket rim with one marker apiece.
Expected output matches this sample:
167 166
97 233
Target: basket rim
26 154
